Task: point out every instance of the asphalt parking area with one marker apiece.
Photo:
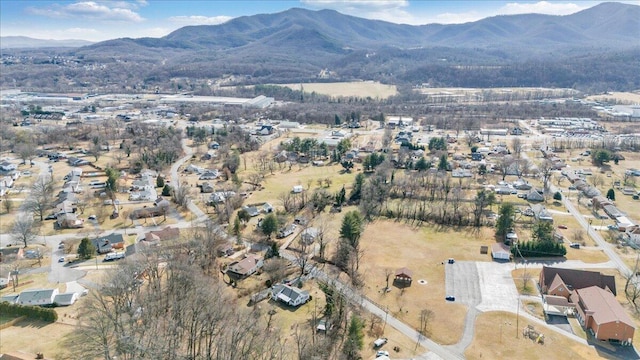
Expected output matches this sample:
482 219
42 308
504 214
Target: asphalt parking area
462 282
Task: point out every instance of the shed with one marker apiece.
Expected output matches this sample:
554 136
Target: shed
500 251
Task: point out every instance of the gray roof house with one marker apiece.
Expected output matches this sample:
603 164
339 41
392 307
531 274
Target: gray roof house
289 295
106 243
534 195
309 235
37 297
66 299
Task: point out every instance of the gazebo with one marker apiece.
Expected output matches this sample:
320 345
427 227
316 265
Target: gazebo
403 277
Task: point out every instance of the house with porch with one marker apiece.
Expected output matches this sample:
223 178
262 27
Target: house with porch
245 267
289 295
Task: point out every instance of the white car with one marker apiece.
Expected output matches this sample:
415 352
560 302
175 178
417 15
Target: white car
92 217
382 353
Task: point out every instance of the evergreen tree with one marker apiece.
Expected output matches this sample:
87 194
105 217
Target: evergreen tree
86 249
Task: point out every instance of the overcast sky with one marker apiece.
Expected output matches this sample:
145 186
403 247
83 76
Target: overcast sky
101 20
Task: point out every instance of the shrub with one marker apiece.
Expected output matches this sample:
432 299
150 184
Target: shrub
32 312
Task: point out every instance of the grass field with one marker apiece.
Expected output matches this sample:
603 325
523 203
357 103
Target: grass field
506 341
390 245
626 97
363 89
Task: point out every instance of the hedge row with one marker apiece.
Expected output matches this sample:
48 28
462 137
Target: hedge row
33 312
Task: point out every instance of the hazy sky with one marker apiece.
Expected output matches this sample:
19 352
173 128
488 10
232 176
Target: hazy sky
101 20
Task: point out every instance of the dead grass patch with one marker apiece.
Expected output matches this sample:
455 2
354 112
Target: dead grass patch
496 337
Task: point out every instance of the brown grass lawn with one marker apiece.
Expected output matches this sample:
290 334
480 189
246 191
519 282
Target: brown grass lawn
356 88
503 344
392 245
35 336
519 280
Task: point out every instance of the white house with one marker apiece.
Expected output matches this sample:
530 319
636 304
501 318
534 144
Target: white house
7 166
37 297
289 295
66 299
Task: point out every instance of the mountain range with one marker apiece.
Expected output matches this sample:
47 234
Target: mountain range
295 45
24 42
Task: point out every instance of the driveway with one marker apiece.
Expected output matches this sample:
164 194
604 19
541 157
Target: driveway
561 322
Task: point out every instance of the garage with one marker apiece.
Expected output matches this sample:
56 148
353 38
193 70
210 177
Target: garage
500 251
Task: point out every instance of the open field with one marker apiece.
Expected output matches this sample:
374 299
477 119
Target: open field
362 89
422 250
626 97
506 341
35 336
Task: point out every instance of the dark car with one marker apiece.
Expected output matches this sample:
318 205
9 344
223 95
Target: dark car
450 298
50 217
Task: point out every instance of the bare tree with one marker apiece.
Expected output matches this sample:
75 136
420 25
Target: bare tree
517 147
276 269
546 170
631 288
7 204
181 195
387 275
24 230
41 198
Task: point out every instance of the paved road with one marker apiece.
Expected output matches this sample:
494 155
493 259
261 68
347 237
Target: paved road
595 235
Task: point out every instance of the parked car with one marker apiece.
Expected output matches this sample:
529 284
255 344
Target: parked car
61 259
522 196
450 298
50 217
575 245
564 227
92 217
379 342
382 353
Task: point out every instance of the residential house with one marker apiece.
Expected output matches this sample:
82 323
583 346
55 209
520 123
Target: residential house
69 221
7 166
108 243
194 169
599 202
221 196
289 295
522 184
633 234
38 297
65 207
612 211
5 278
535 195
246 267
267 208
251 210
209 175
148 212
286 231
309 235
66 299
206 188
168 233
11 253
601 314
591 191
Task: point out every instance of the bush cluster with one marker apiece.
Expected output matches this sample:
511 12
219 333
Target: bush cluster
32 312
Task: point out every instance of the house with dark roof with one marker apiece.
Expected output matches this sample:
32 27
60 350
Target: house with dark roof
109 242
11 253
561 282
403 277
289 295
601 314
